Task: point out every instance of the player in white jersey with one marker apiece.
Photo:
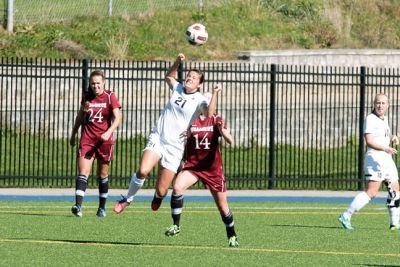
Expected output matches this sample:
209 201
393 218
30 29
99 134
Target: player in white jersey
167 141
379 165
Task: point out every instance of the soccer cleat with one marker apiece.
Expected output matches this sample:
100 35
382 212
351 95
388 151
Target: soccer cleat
173 230
156 203
121 205
394 227
76 210
233 242
345 222
101 213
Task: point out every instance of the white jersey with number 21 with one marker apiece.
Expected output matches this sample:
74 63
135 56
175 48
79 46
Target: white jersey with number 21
179 112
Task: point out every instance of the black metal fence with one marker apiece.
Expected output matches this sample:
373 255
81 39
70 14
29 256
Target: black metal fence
295 127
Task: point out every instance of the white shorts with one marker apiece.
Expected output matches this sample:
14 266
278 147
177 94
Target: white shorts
382 170
170 157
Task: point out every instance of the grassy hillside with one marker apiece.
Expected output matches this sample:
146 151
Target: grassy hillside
233 25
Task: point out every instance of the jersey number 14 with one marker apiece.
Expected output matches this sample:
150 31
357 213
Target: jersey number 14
205 144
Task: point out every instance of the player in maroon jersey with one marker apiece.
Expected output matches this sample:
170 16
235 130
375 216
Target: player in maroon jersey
99 116
203 161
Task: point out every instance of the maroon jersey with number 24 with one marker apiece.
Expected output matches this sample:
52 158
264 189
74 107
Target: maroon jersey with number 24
98 117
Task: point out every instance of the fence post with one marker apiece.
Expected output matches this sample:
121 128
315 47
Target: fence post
361 130
85 74
271 175
110 7
10 15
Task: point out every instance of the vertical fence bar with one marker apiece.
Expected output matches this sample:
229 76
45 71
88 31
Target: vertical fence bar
3 128
45 100
85 71
361 129
51 122
271 175
13 106
22 132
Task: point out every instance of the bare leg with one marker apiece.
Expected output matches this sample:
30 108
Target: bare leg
221 201
165 177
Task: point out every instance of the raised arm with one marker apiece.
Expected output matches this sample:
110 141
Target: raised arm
171 75
212 107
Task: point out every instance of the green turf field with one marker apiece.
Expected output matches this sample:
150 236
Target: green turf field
270 234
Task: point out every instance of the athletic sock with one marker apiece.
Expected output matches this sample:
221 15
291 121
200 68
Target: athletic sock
357 204
393 203
176 208
229 224
80 189
157 197
134 187
103 191
394 215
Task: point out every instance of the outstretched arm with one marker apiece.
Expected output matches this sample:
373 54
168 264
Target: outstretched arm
170 77
212 107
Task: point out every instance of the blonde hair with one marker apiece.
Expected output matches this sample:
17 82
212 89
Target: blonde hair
381 94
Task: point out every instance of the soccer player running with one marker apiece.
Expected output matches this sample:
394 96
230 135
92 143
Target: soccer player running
203 161
166 143
99 116
379 165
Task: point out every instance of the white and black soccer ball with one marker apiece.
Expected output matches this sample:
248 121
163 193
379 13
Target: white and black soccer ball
196 34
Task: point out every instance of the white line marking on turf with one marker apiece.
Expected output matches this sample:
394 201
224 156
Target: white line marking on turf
170 246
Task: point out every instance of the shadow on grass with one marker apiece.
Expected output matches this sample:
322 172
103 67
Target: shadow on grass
83 242
378 265
98 242
102 243
323 227
305 226
36 214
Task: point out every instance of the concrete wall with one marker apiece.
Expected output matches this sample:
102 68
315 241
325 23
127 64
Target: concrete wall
379 58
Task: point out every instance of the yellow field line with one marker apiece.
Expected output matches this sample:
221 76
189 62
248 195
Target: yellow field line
199 211
169 246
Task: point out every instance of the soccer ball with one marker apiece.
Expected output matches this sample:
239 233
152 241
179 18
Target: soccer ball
196 34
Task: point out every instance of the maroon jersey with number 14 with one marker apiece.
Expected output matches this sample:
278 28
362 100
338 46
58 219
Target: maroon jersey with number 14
98 117
203 156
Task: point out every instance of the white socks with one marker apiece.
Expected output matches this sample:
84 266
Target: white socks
134 187
394 212
394 215
357 204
